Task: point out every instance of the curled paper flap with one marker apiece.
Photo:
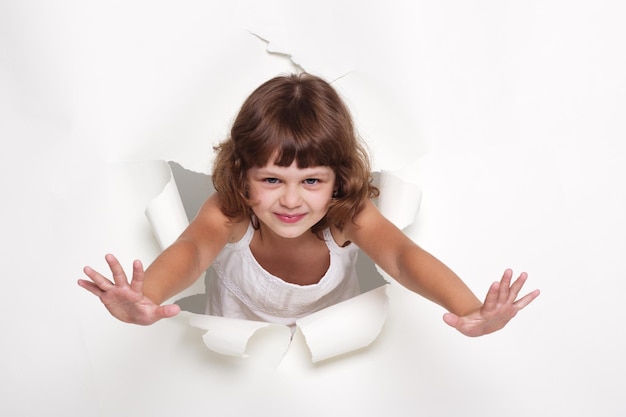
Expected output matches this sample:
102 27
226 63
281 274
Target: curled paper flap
231 336
399 200
166 212
347 326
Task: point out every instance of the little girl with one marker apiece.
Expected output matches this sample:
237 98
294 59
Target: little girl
291 209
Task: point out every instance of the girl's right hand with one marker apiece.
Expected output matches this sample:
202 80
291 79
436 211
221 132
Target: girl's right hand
126 301
500 306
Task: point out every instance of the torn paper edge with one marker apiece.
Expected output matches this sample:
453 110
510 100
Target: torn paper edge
353 324
345 327
230 336
166 212
399 200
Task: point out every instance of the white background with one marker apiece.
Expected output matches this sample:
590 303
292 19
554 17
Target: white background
508 115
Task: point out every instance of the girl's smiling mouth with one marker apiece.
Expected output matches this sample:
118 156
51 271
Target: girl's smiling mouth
289 218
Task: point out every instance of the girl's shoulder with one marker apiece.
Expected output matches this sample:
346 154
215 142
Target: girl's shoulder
368 223
212 219
364 220
238 230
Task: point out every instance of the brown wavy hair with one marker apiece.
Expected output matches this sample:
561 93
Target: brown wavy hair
295 117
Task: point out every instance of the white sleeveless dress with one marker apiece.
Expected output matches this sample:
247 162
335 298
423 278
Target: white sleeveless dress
239 287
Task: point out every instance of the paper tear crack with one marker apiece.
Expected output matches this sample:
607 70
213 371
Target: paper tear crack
273 50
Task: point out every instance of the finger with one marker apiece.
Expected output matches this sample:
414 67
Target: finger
492 298
136 284
527 299
517 285
91 287
98 279
505 284
119 276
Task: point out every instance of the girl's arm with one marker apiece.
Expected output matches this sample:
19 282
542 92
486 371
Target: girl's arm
176 268
424 274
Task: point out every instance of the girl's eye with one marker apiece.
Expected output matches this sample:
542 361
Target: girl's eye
271 180
311 181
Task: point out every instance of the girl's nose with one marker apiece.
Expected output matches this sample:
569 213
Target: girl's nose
291 198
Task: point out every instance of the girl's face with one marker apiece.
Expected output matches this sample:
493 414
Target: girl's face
290 200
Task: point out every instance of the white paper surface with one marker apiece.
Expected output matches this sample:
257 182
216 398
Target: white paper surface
521 105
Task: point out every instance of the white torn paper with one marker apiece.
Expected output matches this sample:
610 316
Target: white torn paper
167 211
345 327
353 324
399 200
230 336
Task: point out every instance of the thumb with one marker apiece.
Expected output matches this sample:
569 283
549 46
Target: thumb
167 311
451 319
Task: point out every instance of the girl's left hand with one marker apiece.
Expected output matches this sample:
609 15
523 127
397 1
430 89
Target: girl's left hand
499 307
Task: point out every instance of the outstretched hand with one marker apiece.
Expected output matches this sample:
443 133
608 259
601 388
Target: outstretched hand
500 306
125 301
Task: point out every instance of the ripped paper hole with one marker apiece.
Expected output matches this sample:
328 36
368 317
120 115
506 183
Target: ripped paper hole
336 330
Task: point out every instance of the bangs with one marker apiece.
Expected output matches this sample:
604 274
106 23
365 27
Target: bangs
307 152
304 141
284 150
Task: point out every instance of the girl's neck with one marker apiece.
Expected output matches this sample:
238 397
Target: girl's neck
302 260
271 239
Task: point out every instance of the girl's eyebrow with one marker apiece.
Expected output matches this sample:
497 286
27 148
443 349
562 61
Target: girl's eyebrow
318 172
